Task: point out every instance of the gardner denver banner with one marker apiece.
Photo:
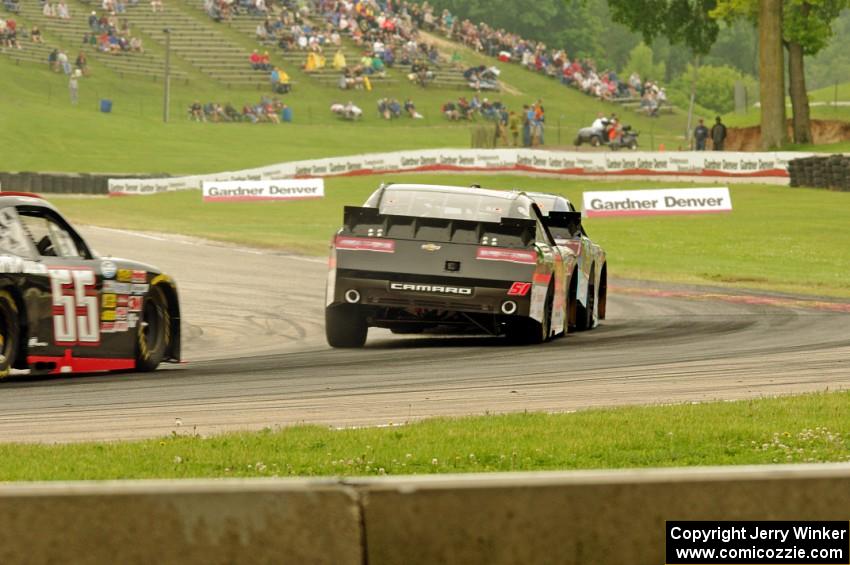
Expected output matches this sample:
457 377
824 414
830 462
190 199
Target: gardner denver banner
663 201
257 190
695 164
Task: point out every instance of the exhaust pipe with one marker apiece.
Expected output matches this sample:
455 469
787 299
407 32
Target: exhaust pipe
352 296
509 307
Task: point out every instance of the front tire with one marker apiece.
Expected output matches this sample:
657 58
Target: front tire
345 326
9 333
154 333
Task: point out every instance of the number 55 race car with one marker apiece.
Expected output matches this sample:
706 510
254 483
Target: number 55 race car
63 309
421 257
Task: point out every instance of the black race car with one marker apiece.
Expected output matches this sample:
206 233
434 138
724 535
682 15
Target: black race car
63 309
422 257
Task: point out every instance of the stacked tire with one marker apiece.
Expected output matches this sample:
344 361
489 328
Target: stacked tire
831 172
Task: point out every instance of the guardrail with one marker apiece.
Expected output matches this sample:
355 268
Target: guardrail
584 517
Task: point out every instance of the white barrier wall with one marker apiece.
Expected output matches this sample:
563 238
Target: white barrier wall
697 164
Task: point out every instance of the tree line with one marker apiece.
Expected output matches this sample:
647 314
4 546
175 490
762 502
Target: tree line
701 46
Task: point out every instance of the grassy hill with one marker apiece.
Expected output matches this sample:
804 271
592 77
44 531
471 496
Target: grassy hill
40 130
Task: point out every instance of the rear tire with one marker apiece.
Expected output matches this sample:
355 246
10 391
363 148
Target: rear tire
345 326
154 332
528 331
595 141
584 313
9 333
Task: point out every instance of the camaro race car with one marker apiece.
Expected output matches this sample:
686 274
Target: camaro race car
422 257
64 309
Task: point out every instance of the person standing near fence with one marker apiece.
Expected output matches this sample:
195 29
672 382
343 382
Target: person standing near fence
700 136
73 88
718 135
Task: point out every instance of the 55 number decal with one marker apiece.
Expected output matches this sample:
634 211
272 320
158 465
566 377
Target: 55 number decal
76 318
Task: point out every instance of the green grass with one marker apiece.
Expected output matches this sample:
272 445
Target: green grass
808 428
776 238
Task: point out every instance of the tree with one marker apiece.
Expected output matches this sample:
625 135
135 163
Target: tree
806 30
641 62
771 74
682 22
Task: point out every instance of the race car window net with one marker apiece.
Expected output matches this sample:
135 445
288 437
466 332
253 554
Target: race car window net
13 238
51 236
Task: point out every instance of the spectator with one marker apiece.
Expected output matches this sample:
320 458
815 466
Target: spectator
48 10
280 81
718 134
527 118
82 64
53 60
73 88
156 6
196 112
410 108
35 34
94 22
255 60
64 63
62 11
514 123
700 135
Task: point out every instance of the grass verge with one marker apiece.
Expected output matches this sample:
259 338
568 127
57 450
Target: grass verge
795 429
776 238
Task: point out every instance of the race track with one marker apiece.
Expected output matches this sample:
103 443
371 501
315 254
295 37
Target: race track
256 356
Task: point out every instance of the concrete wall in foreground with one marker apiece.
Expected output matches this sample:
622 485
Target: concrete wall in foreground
537 518
192 522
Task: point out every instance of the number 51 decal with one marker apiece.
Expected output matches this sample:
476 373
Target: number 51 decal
76 319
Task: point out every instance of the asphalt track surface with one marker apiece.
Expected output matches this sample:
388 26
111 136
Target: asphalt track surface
256 356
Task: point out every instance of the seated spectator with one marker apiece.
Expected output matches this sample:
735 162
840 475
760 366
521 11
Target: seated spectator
265 61
94 22
410 108
339 60
315 62
48 10
280 81
35 34
255 60
261 33
196 112
82 64
62 11
450 111
12 6
136 45
156 6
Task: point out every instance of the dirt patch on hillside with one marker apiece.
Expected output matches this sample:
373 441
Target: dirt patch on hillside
823 132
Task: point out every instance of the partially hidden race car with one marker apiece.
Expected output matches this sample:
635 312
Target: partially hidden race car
420 258
63 309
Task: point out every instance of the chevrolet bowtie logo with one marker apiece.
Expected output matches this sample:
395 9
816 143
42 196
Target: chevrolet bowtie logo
431 247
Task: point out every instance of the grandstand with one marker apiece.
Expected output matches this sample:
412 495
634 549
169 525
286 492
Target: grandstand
71 32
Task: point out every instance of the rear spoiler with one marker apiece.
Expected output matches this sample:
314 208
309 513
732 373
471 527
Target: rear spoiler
508 232
563 221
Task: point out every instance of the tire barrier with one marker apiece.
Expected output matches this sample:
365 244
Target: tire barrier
576 518
831 172
59 183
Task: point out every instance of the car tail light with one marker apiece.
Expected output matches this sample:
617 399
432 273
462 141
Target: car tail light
523 256
365 244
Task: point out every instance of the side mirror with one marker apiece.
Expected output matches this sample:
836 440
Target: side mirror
564 221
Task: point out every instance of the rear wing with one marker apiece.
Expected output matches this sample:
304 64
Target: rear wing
508 232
